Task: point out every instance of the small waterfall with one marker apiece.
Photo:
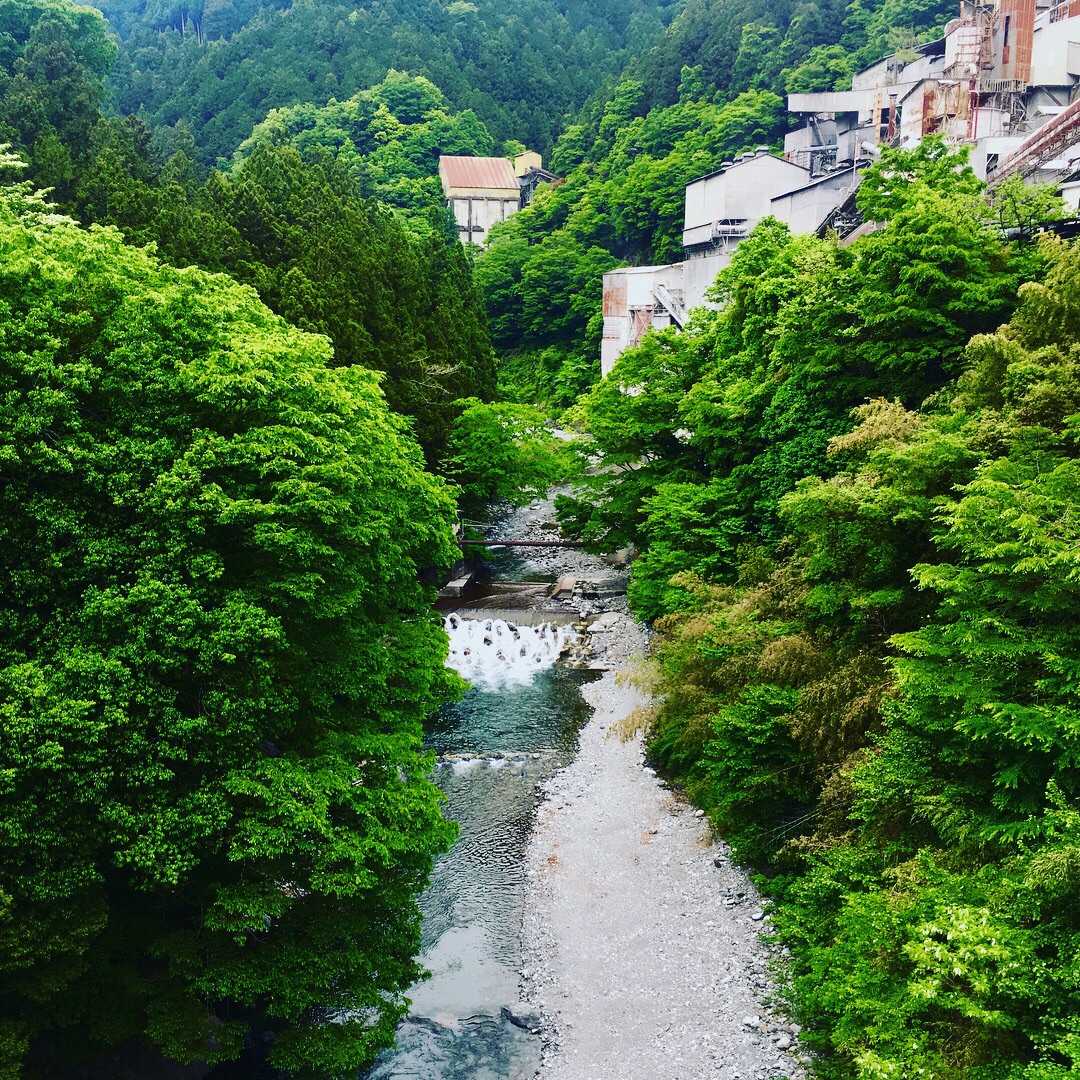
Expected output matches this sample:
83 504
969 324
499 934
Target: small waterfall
493 653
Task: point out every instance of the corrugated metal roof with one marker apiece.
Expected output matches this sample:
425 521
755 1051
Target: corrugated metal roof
478 172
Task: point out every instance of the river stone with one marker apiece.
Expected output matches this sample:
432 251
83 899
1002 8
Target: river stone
521 1016
620 558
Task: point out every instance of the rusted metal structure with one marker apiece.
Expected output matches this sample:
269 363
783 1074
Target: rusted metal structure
1050 141
1002 70
481 192
635 299
1017 22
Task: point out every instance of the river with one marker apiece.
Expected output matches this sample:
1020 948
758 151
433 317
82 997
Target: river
578 879
496 747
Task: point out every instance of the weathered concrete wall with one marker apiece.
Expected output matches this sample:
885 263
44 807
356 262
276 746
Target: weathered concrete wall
476 214
699 274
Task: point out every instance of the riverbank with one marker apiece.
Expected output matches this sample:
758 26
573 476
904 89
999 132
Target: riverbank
642 942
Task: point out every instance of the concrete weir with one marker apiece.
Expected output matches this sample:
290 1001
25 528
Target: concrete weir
520 616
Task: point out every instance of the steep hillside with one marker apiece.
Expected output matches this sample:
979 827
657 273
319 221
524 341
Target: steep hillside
221 66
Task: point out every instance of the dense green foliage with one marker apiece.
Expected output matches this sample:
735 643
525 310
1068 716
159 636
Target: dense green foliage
214 808
389 138
855 496
738 409
220 67
505 452
295 218
392 295
54 60
215 658
854 493
780 46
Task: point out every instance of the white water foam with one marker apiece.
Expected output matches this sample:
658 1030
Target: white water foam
493 653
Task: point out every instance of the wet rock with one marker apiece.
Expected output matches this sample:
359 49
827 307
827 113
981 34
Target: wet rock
522 1017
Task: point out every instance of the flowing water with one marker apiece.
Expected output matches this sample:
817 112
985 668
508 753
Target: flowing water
512 730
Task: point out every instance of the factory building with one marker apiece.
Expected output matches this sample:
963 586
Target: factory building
482 191
1004 80
636 299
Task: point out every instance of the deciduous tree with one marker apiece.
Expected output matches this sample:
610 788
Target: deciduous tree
215 656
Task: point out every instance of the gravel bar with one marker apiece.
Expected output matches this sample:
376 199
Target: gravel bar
643 951
642 943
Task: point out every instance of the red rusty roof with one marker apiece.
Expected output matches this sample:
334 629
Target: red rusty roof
477 172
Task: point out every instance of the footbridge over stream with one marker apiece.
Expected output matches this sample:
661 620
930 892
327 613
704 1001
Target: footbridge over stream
524 543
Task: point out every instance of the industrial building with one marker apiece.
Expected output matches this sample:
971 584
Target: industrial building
482 191
723 207
637 298
720 210
1004 80
530 172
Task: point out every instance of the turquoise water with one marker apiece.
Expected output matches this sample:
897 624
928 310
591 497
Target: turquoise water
495 748
473 906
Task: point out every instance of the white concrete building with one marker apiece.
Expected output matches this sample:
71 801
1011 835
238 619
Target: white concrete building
722 208
805 209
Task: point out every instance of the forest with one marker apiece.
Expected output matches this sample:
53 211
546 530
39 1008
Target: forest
250 378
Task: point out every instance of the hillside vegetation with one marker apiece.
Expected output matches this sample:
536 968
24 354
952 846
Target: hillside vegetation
220 67
217 648
308 222
215 658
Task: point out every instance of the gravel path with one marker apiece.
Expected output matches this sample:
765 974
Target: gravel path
642 949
